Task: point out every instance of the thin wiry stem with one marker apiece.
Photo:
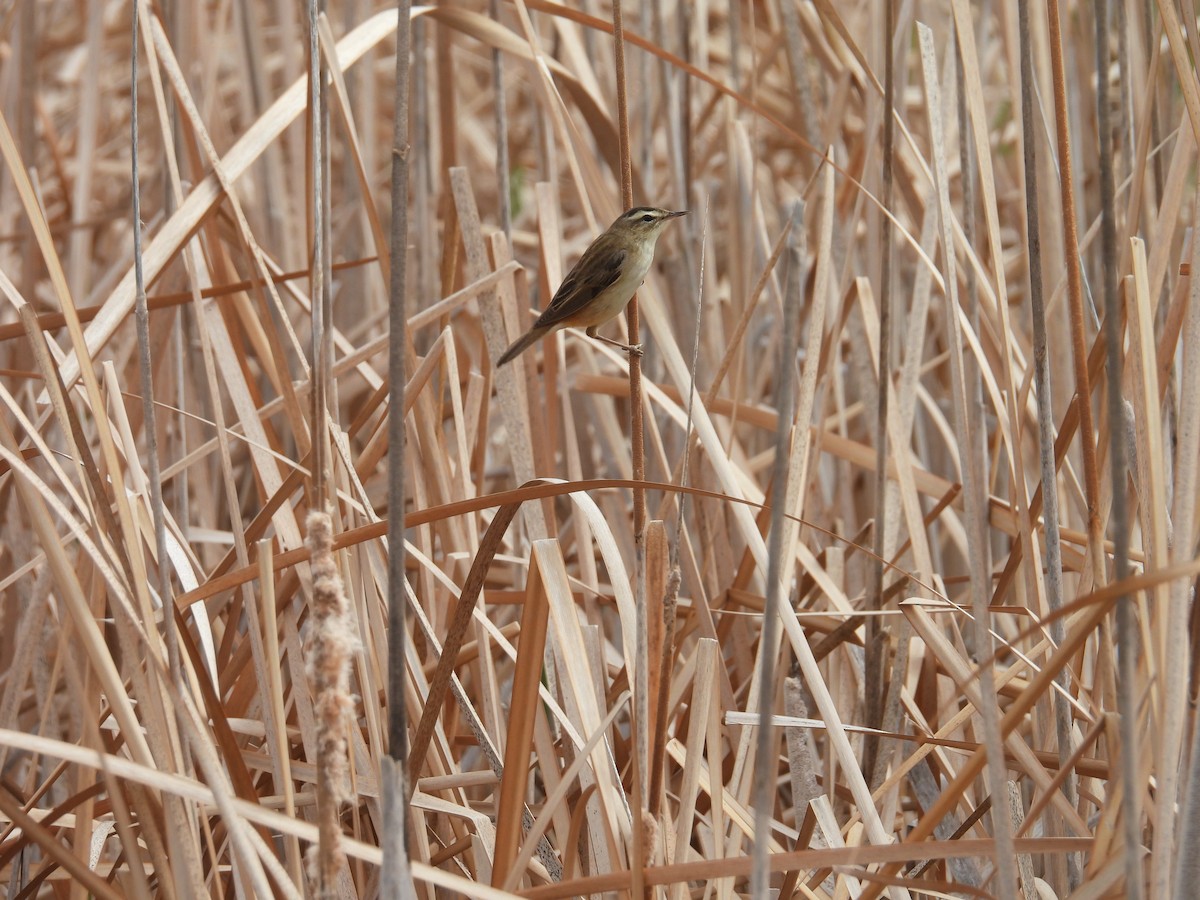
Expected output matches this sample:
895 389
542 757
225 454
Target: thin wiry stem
765 753
1079 348
172 16
638 453
146 378
674 577
687 434
1041 359
1127 637
154 474
977 438
873 679
638 440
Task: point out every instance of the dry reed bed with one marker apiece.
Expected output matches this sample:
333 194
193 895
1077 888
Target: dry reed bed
605 690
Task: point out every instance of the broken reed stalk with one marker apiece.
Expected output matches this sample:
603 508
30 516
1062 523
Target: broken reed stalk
320 286
396 878
766 755
1184 521
1127 636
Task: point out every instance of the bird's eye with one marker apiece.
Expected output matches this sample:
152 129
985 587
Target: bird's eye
647 218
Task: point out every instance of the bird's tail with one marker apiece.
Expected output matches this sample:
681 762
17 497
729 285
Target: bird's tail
521 344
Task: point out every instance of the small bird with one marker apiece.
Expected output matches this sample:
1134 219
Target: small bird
603 281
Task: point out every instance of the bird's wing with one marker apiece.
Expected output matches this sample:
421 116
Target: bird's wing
598 269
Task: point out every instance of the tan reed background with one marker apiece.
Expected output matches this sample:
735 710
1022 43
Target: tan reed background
599 732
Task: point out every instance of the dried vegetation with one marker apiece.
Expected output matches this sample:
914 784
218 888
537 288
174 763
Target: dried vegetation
597 727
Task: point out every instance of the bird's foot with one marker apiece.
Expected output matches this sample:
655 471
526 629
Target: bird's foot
635 350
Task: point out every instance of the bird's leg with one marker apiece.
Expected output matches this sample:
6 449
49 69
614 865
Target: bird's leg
631 349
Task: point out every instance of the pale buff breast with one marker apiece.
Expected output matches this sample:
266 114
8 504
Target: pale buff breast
609 305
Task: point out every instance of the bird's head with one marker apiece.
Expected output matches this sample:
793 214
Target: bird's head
645 221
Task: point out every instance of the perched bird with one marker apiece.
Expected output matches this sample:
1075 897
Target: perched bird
602 282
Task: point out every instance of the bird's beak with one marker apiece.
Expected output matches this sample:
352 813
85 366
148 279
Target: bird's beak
677 214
